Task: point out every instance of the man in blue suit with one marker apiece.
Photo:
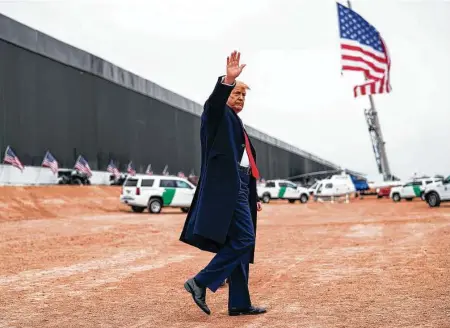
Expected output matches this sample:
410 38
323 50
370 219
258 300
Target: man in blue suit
222 216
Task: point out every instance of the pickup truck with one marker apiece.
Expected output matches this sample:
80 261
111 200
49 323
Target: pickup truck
282 189
438 192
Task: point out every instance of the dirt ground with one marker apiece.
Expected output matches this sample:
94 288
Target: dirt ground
74 257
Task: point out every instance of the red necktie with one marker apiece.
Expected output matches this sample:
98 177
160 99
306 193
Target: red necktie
255 171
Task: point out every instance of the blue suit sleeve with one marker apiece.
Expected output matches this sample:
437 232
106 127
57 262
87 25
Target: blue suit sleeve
215 105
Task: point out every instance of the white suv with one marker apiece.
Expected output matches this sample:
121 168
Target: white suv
438 192
411 189
282 189
157 191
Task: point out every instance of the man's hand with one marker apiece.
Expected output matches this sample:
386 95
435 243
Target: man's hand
233 67
259 206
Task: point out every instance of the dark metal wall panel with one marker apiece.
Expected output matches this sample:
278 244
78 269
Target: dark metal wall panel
45 104
37 42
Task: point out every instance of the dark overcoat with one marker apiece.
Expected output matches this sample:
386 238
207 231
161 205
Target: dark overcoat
222 145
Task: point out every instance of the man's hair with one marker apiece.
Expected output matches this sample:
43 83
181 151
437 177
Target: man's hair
242 84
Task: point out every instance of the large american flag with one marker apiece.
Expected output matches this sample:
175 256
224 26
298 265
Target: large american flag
50 161
83 166
113 169
11 158
363 50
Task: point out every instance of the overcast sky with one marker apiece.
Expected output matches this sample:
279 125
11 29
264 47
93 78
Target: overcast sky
291 49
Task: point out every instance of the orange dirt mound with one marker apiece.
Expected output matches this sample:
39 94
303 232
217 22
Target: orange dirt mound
17 203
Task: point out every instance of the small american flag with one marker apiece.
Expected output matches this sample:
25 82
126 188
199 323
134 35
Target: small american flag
11 158
130 169
363 50
83 166
113 169
50 161
149 170
166 170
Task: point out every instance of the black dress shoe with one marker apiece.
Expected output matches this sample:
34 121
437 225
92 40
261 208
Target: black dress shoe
248 311
198 294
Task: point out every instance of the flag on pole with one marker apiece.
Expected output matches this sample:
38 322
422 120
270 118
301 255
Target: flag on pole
50 161
11 158
363 50
166 170
113 169
130 168
149 169
82 165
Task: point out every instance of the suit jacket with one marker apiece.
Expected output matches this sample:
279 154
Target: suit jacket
222 145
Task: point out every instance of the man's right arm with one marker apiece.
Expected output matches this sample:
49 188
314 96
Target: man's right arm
215 105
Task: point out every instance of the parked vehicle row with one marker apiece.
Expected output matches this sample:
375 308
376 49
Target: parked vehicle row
154 192
432 190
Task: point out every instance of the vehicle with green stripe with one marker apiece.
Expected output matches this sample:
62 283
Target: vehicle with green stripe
282 189
411 189
153 192
436 193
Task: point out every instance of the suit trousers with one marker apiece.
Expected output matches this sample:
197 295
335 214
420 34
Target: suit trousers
232 260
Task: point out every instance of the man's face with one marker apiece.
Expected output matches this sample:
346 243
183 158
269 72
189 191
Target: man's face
236 99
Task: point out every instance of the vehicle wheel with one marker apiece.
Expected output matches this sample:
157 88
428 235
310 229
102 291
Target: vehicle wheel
266 198
137 209
292 201
154 205
304 198
433 199
77 182
185 209
396 197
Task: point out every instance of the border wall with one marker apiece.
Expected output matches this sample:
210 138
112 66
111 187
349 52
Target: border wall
56 97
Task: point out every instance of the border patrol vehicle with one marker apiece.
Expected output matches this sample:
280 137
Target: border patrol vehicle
153 192
411 189
437 192
282 189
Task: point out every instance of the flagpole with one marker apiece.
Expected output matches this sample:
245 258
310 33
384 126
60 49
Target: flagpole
376 135
3 165
40 169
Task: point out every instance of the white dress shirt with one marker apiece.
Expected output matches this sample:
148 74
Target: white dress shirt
244 160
